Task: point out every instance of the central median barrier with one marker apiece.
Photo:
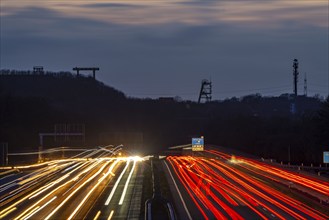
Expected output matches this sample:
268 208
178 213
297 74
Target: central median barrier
158 207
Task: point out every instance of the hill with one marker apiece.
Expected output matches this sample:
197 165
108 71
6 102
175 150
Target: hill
35 103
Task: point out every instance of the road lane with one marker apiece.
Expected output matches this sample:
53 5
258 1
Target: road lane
230 193
182 210
68 189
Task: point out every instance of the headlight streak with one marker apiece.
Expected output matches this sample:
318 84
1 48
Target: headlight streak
13 193
89 193
81 174
111 214
107 202
7 187
43 198
76 190
26 187
97 215
127 183
4 186
207 175
36 203
30 212
48 186
7 212
5 174
34 212
71 167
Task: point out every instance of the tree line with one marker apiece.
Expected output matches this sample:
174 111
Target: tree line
263 126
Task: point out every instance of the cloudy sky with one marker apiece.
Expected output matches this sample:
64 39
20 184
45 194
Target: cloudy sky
152 48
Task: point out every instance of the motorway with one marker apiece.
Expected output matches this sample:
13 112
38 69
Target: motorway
213 185
220 186
98 188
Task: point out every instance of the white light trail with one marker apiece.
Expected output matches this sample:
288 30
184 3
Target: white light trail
116 184
30 211
44 188
36 211
127 183
7 187
89 193
77 189
43 198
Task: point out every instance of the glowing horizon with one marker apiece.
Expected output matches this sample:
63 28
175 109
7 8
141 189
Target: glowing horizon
260 14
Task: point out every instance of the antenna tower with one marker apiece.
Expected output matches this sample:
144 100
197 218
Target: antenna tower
295 73
205 92
305 85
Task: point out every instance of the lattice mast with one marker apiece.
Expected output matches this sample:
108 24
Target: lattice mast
295 74
206 91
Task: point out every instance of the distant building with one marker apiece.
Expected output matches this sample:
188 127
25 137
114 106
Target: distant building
166 99
38 70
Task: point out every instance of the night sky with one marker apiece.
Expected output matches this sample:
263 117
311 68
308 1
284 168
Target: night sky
149 48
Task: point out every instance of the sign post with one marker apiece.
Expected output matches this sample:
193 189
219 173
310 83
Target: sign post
197 144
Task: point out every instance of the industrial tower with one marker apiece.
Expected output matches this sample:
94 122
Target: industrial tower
305 85
206 90
295 73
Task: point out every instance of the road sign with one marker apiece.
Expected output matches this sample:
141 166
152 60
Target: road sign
197 144
326 157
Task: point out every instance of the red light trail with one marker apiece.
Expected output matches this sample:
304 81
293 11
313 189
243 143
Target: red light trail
220 189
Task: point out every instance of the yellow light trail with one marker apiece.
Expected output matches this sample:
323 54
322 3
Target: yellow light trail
89 193
16 203
111 214
33 213
6 213
48 186
97 215
116 184
36 203
76 190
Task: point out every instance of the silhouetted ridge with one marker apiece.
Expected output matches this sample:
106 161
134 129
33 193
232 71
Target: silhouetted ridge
61 85
264 126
